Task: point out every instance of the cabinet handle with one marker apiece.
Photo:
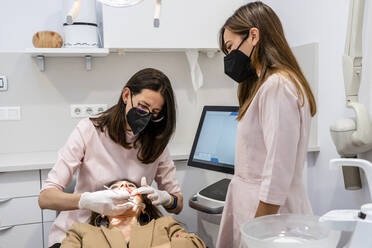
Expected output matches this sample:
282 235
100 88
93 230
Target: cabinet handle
5 228
2 200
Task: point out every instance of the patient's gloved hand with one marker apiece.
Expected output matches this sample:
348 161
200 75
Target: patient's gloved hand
157 197
106 202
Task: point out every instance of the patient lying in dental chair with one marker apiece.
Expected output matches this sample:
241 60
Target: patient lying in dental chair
140 227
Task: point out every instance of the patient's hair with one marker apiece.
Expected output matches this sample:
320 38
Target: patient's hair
150 212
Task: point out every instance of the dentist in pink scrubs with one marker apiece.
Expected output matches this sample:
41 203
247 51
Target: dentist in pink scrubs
276 106
129 140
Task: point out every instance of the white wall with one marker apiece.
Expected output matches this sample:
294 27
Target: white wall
20 20
45 97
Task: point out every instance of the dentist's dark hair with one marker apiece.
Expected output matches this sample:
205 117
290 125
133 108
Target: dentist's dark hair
272 53
152 141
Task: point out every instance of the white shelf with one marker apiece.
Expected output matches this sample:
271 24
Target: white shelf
68 52
88 53
162 49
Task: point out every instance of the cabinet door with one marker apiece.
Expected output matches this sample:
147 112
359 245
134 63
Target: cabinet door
183 24
46 229
18 211
23 236
49 215
19 184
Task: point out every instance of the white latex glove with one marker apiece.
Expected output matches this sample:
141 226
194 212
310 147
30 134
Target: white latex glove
106 202
157 197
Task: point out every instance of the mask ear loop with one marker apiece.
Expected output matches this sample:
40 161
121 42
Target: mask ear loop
245 37
131 97
250 55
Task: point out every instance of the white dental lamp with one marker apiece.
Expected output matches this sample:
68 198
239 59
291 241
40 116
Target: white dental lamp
353 136
75 9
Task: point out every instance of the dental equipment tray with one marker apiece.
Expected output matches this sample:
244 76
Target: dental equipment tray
211 199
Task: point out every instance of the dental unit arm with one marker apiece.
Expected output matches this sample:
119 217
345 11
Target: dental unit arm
75 8
353 136
357 221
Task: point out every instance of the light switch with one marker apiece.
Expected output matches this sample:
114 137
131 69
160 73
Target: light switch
3 83
10 113
3 114
14 113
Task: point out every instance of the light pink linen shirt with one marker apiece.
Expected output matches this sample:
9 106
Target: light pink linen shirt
271 148
98 160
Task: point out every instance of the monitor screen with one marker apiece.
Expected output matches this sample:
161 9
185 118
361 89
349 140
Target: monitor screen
214 142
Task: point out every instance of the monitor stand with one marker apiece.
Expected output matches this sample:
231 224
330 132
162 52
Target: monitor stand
211 199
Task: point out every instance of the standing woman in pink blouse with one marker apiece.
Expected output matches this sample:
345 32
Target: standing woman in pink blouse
276 106
129 140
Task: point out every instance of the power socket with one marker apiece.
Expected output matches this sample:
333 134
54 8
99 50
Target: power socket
86 110
3 83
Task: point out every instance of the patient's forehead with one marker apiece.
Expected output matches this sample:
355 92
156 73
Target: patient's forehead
124 182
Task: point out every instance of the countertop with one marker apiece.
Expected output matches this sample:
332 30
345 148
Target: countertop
46 159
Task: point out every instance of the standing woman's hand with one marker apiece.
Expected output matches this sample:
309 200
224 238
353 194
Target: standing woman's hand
106 202
157 197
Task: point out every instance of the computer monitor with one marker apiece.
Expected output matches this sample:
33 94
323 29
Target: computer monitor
214 142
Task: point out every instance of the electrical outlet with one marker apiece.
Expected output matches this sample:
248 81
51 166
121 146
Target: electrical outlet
86 110
3 83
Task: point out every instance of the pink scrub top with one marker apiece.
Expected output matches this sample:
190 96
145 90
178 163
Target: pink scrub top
98 160
271 147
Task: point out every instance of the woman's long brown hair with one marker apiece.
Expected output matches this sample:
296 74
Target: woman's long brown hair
155 137
272 53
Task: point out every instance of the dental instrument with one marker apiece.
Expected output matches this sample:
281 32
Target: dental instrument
131 199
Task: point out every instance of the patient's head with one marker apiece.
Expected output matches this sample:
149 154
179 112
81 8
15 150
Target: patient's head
129 187
144 214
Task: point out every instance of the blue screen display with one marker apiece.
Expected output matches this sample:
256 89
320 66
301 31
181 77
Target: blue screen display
216 143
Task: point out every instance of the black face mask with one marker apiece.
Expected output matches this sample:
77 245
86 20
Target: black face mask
238 65
137 122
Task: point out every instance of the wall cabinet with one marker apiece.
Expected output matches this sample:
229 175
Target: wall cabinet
183 24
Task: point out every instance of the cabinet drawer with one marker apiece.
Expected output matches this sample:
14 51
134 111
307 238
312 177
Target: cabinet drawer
23 236
46 229
19 184
19 211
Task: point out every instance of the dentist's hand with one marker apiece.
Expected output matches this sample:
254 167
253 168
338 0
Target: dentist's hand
106 202
157 197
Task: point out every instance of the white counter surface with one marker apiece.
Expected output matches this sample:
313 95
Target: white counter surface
46 160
